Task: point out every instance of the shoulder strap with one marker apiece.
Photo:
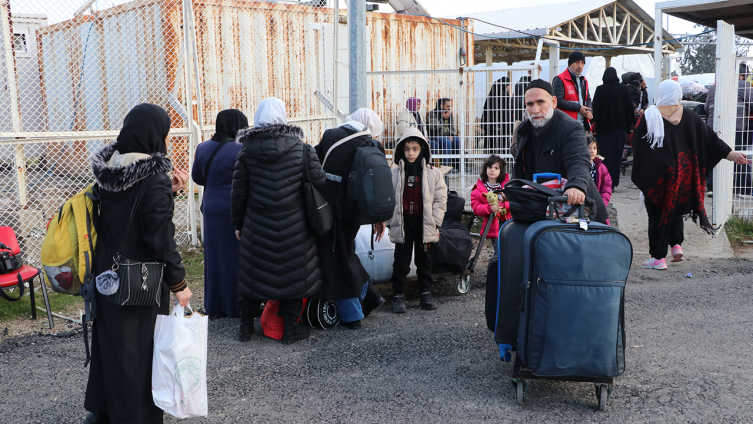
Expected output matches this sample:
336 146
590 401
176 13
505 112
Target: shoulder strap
211 157
130 220
344 140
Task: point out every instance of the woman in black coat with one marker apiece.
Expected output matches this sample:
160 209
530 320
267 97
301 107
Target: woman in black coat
496 119
614 115
220 245
343 274
120 378
278 254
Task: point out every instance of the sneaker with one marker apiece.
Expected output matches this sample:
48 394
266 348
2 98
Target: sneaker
398 304
677 253
710 193
427 302
655 264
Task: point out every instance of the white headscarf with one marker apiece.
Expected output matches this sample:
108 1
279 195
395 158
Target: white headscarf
369 118
669 94
271 111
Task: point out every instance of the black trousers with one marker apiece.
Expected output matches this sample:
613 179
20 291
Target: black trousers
414 235
658 241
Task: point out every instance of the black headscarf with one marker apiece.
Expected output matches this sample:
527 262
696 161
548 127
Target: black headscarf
610 76
229 121
145 129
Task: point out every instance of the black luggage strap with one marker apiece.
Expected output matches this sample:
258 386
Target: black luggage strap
88 286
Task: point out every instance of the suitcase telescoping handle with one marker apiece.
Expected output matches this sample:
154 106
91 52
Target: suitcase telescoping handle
563 199
547 175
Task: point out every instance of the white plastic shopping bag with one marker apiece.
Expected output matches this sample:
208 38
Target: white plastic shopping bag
179 364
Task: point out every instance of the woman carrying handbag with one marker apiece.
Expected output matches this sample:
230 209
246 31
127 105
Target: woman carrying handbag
278 254
135 226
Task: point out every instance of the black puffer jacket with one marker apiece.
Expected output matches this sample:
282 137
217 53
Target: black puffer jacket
152 234
278 256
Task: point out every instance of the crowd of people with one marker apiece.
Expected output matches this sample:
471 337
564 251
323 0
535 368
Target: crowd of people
259 246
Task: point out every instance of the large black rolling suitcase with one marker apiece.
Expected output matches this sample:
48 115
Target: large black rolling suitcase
572 320
509 288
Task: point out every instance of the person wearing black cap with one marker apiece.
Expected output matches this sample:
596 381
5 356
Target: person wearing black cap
550 141
574 99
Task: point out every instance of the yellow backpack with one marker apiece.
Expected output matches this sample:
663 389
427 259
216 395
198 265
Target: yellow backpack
68 247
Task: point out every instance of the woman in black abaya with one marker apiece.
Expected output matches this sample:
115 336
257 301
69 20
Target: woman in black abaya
119 387
613 115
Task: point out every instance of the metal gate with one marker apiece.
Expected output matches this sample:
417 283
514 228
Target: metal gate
484 107
72 69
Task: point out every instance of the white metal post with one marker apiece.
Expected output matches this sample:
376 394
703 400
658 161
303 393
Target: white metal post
554 59
12 84
189 110
657 50
336 23
724 119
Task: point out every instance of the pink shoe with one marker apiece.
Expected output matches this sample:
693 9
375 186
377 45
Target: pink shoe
655 264
677 253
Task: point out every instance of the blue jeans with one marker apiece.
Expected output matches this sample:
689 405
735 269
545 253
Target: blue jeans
445 146
350 309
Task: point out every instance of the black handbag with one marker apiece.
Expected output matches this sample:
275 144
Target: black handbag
528 204
318 212
140 283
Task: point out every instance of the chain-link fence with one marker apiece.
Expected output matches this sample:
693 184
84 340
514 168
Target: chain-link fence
72 69
467 115
742 194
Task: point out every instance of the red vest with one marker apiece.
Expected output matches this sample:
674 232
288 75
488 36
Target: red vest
570 93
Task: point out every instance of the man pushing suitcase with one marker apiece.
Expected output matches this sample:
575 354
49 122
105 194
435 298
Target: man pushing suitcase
551 142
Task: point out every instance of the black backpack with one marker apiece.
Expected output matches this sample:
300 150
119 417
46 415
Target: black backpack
369 194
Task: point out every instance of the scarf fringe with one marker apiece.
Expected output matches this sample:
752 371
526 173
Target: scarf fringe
711 230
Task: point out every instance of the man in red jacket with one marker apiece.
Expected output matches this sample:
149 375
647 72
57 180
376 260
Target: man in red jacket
573 98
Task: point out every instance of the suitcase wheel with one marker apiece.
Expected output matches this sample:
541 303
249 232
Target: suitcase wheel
603 392
464 284
521 386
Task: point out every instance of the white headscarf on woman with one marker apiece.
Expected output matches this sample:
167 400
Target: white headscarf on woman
369 118
669 94
271 111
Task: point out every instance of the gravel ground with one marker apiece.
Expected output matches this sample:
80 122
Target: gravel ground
689 359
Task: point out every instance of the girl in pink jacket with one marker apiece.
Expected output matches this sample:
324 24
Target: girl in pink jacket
599 172
492 179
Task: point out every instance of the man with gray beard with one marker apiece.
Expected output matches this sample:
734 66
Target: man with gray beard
551 141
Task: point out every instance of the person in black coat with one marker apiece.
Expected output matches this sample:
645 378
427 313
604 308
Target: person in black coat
551 141
213 168
278 254
343 274
496 119
613 115
120 377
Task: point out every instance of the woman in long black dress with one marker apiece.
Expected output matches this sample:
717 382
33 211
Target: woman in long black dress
120 378
213 168
613 115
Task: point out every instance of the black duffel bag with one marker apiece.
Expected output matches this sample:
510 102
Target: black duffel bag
454 248
528 204
455 207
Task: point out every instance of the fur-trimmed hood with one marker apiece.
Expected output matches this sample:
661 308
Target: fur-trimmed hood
121 178
269 143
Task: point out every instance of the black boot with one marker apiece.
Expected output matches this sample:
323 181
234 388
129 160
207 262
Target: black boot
246 329
372 301
93 418
293 331
427 302
398 304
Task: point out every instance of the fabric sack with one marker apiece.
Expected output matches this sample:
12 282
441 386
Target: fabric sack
179 363
319 213
454 248
455 207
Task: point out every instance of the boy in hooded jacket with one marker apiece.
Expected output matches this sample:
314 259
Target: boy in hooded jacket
420 205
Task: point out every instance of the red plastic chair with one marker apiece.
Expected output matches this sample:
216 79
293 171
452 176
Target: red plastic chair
20 276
